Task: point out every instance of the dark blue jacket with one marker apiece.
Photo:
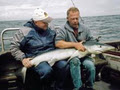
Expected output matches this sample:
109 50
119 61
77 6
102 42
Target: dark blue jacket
30 41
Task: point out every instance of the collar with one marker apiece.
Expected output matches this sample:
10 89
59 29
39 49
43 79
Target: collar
68 27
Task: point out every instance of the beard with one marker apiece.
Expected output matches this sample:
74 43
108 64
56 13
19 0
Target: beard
38 29
74 25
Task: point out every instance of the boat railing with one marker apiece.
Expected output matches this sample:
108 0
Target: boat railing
3 38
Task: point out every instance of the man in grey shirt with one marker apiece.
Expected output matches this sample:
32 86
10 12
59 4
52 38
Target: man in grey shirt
72 35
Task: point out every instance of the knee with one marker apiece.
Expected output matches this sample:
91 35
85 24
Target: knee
75 61
60 64
44 70
46 73
90 66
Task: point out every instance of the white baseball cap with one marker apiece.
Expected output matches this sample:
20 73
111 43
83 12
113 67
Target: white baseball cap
41 15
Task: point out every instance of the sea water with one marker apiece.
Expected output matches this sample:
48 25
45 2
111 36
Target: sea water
107 27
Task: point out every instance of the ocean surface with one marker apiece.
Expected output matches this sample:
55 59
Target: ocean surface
108 27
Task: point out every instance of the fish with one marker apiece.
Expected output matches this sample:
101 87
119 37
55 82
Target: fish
92 47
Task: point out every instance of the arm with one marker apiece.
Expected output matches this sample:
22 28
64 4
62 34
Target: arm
89 36
15 46
60 41
16 51
64 44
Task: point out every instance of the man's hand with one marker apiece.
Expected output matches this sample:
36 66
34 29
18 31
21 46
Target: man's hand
79 46
26 62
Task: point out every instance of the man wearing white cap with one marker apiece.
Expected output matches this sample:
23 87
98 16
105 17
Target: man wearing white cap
34 39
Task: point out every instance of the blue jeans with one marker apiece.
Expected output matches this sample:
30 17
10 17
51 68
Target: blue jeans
44 70
39 77
75 69
61 72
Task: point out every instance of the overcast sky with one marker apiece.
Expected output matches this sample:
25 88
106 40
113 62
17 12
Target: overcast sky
23 9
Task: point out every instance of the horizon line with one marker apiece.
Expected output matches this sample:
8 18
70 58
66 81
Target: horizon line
64 18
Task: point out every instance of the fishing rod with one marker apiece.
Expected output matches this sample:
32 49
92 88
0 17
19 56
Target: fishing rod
97 39
79 15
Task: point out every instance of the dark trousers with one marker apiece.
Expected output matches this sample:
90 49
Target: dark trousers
62 75
41 77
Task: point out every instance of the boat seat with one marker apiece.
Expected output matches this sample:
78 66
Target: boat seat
8 68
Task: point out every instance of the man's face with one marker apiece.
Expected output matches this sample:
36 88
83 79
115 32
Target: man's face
41 24
73 19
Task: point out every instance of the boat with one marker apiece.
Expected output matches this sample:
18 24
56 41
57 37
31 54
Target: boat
107 67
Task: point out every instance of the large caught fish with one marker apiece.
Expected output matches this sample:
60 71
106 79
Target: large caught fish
51 57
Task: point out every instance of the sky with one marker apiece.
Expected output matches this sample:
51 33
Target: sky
23 9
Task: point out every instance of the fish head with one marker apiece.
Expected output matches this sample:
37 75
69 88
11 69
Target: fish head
97 48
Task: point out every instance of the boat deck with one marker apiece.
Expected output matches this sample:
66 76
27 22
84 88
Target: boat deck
101 85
